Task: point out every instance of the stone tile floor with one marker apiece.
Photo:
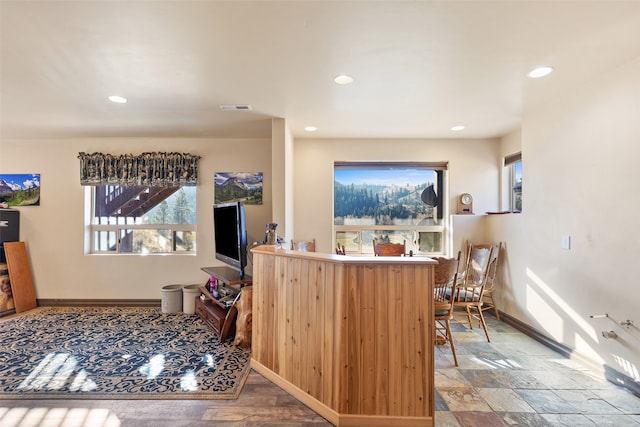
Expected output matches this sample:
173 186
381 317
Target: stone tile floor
516 381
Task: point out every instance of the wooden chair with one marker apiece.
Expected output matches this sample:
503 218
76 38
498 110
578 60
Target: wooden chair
304 246
489 289
488 301
389 249
468 292
445 278
340 250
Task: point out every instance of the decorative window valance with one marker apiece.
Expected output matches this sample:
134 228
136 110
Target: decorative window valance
152 169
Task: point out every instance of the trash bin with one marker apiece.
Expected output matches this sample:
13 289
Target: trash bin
189 295
171 298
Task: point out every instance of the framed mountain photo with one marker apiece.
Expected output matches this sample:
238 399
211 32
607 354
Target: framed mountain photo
20 189
245 187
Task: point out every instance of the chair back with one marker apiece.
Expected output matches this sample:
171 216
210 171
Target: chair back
389 249
304 246
493 266
474 277
493 261
445 278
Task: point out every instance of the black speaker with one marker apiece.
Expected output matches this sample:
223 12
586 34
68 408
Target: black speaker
9 229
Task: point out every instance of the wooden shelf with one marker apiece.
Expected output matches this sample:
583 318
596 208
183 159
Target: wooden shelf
216 314
215 317
228 276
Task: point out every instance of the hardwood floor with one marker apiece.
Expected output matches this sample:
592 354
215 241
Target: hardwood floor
261 403
513 380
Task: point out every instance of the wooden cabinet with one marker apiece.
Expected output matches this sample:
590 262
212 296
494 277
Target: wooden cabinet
217 317
351 337
217 313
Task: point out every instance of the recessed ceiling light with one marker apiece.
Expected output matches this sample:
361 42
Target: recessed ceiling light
343 79
457 128
310 128
540 72
117 99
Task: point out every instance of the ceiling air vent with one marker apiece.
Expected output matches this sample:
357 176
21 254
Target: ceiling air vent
240 107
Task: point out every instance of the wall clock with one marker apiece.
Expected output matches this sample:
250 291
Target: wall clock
465 204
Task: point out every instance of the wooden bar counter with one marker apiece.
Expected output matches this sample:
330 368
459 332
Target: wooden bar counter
351 337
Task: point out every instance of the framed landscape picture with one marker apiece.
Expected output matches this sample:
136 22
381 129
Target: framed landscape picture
20 189
245 187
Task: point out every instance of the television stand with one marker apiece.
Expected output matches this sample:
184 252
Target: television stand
217 314
227 275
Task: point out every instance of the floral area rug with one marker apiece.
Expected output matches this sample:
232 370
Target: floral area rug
116 353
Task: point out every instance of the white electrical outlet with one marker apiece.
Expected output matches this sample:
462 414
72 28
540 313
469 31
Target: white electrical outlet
566 242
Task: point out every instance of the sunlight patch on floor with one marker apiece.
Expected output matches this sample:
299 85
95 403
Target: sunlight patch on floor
53 372
58 417
497 364
154 367
188 382
628 367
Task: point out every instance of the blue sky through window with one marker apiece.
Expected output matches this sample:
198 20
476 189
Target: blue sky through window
384 176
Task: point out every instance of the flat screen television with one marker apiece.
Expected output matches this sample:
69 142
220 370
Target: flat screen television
230 235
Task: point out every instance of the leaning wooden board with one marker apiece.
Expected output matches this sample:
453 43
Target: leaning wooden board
24 296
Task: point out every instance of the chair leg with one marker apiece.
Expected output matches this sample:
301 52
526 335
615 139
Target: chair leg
495 307
484 324
438 334
468 308
450 339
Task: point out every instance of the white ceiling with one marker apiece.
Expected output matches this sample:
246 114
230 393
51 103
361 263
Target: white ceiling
420 67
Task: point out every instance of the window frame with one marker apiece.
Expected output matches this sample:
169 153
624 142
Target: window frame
512 161
443 215
124 223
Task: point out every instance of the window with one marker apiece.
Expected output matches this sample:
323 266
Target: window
392 202
143 219
514 163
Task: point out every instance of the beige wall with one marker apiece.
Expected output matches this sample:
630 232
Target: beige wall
509 144
509 229
54 231
580 168
282 171
473 168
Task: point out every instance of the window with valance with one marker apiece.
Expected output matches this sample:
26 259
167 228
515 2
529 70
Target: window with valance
141 204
